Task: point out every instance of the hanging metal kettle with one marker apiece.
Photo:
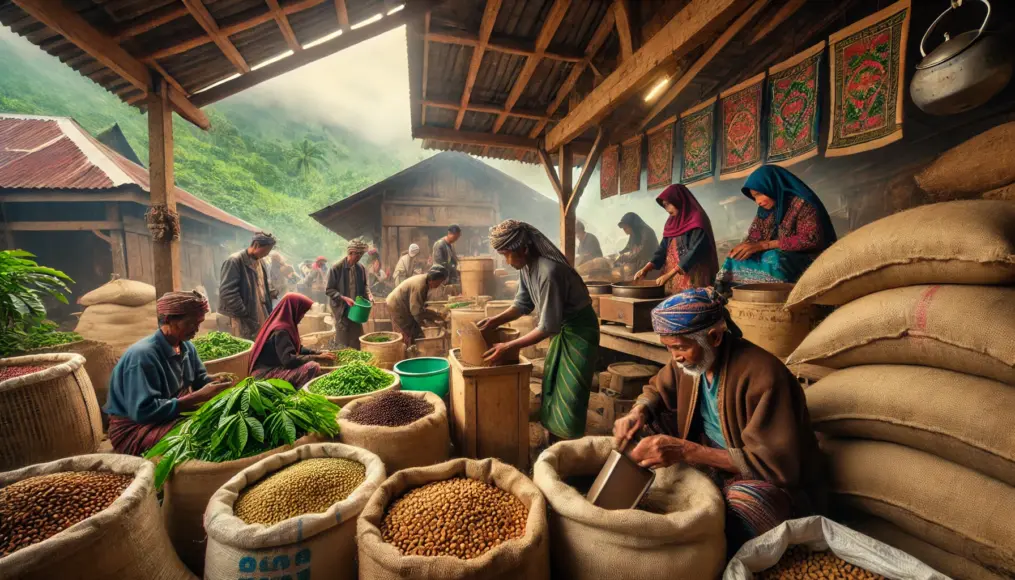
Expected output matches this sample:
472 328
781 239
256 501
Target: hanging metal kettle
963 72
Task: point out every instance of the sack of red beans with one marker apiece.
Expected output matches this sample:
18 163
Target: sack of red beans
404 428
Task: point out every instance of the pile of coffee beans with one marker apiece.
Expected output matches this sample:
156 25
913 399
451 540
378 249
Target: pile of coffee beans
460 517
307 487
391 409
35 509
802 563
13 372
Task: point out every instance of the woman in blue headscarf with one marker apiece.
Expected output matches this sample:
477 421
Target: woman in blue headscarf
792 227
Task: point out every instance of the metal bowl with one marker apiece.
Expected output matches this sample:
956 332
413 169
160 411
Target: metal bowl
599 287
642 289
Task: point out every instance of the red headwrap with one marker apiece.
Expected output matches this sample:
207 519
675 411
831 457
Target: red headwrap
286 316
690 215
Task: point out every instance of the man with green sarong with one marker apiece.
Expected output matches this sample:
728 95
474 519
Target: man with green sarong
550 285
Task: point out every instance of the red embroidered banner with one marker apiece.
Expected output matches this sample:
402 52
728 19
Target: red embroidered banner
740 111
630 165
608 171
660 155
867 62
793 110
698 143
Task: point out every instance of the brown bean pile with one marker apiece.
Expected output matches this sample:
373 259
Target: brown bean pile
308 487
391 409
13 372
460 517
37 508
801 563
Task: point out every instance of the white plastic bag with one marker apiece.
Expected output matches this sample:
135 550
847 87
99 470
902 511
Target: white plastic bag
820 533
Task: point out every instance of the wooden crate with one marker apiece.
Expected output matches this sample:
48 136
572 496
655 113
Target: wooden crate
634 313
490 411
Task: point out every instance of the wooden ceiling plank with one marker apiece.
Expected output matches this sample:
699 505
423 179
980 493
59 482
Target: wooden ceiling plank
720 43
485 30
284 26
785 12
695 21
151 21
200 13
504 45
342 11
426 65
474 138
493 110
622 18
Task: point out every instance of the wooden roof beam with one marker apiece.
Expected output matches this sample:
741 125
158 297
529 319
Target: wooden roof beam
720 43
474 138
200 13
485 30
342 11
426 65
622 18
694 22
499 44
454 106
150 21
785 12
283 26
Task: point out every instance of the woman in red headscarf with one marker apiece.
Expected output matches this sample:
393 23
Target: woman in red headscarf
687 254
278 352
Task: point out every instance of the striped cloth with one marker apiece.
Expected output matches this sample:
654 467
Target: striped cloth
567 375
296 377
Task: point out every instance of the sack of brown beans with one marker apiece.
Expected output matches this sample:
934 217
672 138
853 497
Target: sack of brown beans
291 515
816 548
464 519
404 428
677 531
84 517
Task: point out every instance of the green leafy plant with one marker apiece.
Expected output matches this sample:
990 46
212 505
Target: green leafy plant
23 285
350 355
250 418
216 345
355 378
46 334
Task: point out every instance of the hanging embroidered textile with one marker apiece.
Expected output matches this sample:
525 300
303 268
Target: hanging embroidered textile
793 110
608 171
660 155
630 165
867 62
740 111
697 135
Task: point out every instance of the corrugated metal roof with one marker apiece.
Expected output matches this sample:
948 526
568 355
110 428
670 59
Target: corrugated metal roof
56 153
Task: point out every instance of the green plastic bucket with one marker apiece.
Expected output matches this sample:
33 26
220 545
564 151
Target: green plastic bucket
360 311
424 374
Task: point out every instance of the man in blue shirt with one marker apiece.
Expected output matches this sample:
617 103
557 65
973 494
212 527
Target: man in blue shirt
160 377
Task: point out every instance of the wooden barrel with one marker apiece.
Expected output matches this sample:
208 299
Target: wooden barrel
628 378
477 276
460 316
495 307
432 345
758 309
386 354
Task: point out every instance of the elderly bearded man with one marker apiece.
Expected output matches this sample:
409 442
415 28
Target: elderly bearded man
730 407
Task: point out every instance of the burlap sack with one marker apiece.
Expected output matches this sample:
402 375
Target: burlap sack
950 564
125 540
118 326
949 506
99 363
968 329
523 558
982 163
317 545
49 414
941 412
185 497
122 292
959 242
685 540
423 442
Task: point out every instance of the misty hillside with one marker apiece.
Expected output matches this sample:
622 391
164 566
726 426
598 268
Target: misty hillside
257 162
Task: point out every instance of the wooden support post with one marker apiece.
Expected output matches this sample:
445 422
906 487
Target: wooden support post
567 211
116 245
165 254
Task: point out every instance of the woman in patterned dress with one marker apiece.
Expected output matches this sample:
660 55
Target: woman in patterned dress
687 253
792 227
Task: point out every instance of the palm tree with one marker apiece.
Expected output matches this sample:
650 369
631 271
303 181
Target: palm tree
306 157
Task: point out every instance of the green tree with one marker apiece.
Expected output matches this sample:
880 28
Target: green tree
306 157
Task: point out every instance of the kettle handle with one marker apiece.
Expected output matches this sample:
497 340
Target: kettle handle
955 4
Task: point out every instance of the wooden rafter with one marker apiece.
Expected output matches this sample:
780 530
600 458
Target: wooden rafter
694 22
720 43
283 26
622 17
426 64
200 13
342 11
150 21
485 30
598 146
454 106
497 44
785 12
474 138
547 163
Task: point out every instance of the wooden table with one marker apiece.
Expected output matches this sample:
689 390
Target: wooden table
645 345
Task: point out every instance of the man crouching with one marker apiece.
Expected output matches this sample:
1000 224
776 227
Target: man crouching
730 407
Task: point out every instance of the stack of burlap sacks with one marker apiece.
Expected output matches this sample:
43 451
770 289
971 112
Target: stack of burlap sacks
917 419
118 313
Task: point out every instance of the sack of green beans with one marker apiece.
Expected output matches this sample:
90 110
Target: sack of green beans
404 428
677 531
84 517
291 515
463 519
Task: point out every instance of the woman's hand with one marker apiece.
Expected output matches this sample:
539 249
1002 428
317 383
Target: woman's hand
324 357
746 250
644 271
497 352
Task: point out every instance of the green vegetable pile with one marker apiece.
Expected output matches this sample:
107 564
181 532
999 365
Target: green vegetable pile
46 334
250 418
355 378
381 338
349 355
456 305
216 345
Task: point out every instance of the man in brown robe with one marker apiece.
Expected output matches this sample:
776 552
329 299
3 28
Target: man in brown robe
407 303
731 408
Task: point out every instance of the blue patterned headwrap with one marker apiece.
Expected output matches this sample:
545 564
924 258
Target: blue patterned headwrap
690 311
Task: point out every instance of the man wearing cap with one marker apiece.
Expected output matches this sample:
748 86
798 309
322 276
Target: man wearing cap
407 303
244 289
444 253
732 408
347 281
160 377
407 266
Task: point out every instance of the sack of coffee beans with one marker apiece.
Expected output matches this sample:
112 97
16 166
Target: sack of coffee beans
464 519
404 428
89 516
292 514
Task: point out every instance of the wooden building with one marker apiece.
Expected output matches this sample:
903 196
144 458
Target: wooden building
418 204
79 205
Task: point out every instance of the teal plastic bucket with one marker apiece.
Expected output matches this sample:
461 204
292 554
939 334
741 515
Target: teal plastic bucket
360 311
424 374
